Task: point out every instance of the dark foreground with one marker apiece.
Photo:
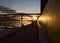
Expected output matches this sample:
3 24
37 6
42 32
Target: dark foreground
23 35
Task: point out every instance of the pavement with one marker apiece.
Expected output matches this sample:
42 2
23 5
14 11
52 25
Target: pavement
25 34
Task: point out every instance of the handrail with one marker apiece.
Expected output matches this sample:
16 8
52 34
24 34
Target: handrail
16 15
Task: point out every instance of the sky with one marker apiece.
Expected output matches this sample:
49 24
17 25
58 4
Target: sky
26 6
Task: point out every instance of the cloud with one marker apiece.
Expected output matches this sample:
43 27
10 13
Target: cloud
6 10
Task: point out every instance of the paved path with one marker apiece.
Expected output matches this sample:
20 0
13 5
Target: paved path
23 35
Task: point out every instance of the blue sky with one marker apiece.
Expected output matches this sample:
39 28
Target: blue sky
26 6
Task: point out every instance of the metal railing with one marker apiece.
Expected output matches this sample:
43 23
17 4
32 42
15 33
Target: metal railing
9 20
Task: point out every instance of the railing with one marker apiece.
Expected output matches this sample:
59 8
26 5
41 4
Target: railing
16 20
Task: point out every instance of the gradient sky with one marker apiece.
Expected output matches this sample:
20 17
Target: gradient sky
26 6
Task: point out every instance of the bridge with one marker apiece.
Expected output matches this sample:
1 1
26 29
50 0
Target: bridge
49 28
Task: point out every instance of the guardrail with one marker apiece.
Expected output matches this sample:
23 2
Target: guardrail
9 20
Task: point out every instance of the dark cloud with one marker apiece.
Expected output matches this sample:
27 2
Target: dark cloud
6 10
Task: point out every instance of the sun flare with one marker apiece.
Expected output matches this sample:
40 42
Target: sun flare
34 18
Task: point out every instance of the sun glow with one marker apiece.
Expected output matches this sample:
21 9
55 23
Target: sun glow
34 18
44 18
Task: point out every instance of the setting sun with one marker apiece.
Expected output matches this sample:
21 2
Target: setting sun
34 18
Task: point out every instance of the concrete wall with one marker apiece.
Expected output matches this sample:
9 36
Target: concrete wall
51 20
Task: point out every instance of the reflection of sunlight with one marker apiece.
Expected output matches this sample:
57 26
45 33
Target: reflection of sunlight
17 21
44 18
26 20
